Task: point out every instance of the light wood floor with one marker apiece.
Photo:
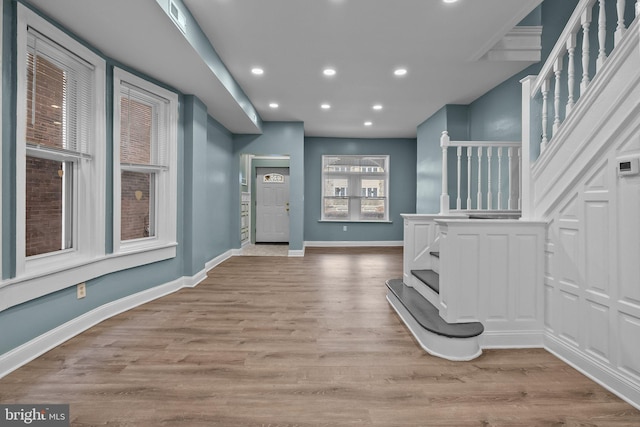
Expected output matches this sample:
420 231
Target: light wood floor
298 342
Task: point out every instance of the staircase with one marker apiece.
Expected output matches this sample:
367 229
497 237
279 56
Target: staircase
503 268
565 275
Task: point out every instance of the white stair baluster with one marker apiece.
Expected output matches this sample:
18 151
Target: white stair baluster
489 193
557 70
510 200
444 197
621 28
586 22
469 154
637 7
458 200
602 35
499 178
520 178
479 195
545 114
571 73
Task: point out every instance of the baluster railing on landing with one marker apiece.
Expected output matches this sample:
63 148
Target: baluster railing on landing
487 168
551 82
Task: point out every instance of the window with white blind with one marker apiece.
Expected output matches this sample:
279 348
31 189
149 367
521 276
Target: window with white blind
355 188
145 179
60 148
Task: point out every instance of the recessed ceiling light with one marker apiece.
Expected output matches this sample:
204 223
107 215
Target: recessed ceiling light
325 106
400 71
55 106
257 71
329 72
377 107
368 123
274 105
449 1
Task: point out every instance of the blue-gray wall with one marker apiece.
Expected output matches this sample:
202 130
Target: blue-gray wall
402 188
219 189
205 178
495 116
283 139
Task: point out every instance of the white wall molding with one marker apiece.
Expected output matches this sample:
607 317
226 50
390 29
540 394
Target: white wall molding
296 253
351 243
27 352
30 350
522 43
595 370
219 260
512 339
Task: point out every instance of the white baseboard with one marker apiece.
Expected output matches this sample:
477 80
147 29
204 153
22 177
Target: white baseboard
296 253
512 339
595 370
351 243
220 259
30 350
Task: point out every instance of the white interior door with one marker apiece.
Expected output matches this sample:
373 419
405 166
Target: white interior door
272 205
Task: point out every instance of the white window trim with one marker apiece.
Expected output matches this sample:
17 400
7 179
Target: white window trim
166 202
90 219
352 178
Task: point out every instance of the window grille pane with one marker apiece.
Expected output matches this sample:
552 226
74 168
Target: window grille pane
49 204
45 103
137 205
135 131
336 208
60 98
336 187
144 126
372 209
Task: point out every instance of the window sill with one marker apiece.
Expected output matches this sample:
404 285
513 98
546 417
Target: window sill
357 221
30 286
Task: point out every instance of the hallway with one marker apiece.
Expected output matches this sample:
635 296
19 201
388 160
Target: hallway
298 341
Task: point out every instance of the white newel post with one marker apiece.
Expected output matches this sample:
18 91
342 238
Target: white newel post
526 202
444 197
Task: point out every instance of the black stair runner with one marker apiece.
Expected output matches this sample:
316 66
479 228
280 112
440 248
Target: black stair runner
429 278
427 315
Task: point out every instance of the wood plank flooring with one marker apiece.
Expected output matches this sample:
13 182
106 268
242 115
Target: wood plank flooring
274 341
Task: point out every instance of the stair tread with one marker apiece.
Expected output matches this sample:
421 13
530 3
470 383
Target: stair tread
428 316
435 254
429 278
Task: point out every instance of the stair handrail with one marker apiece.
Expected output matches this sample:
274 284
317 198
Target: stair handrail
514 150
550 83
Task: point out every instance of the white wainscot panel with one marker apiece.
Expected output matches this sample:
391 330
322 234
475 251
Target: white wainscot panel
629 240
597 331
568 254
569 317
597 246
548 307
524 266
468 274
498 302
629 344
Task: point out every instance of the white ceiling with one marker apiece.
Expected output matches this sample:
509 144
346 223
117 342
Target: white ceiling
293 40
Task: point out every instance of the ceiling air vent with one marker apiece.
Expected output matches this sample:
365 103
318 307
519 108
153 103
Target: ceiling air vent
178 16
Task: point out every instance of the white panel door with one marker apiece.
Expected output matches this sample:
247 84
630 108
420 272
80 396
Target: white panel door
272 205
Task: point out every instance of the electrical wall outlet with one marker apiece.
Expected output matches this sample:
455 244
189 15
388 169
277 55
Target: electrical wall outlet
81 290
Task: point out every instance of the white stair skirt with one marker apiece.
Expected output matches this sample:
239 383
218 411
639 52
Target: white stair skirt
455 349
